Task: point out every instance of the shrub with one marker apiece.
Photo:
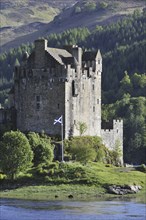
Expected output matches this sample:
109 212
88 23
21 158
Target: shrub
15 153
141 168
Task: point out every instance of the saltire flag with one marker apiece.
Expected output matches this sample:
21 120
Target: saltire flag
59 120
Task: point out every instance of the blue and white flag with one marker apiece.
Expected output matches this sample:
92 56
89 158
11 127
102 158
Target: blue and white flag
59 120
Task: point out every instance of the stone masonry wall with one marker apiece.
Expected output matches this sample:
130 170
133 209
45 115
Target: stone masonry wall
114 136
46 88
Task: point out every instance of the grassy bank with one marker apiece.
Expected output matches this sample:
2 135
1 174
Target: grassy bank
82 182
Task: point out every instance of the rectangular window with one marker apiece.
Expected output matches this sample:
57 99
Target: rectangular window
93 87
93 108
38 106
38 98
38 102
58 106
97 101
98 61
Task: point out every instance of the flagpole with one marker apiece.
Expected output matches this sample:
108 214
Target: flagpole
62 139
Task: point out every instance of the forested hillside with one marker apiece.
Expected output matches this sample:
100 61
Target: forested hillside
122 45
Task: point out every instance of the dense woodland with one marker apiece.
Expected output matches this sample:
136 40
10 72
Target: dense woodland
122 45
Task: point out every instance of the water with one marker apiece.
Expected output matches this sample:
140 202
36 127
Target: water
12 209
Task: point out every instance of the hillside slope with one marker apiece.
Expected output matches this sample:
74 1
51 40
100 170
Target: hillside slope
79 14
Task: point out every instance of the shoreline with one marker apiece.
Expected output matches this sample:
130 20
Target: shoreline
68 192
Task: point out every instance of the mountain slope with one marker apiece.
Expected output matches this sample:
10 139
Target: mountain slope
79 14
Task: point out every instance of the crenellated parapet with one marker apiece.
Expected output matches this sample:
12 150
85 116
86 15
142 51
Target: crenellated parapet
113 137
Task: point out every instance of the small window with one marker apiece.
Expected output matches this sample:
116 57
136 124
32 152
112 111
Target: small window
38 98
83 86
73 88
93 108
98 61
58 106
93 87
117 130
38 106
97 101
38 102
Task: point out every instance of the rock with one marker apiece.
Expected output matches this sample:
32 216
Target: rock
121 190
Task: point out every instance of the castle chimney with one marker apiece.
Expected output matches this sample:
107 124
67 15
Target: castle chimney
40 47
41 44
77 53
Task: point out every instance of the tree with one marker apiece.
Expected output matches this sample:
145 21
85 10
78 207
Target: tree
15 153
83 153
126 85
43 153
84 148
77 10
42 148
117 153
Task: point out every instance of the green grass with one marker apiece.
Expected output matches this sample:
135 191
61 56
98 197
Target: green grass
83 182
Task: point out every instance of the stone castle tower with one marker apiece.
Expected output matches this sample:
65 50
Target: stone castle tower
52 82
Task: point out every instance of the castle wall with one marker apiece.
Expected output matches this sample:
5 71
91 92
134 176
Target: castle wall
53 82
113 137
84 106
39 100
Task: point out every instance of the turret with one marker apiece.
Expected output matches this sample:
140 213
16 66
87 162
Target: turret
98 62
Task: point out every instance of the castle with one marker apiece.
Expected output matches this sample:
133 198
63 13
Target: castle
51 82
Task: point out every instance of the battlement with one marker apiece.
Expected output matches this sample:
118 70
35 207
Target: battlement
118 121
111 136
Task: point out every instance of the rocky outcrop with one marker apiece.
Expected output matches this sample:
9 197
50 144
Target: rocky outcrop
126 189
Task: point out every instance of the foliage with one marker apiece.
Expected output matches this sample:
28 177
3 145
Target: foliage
123 50
133 111
141 168
43 153
122 45
15 153
72 177
86 148
103 5
42 148
117 153
81 127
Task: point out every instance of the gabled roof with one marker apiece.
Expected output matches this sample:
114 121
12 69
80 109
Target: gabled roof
59 54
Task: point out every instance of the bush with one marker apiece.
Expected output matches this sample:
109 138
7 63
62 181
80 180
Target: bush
86 148
103 5
15 153
42 148
141 168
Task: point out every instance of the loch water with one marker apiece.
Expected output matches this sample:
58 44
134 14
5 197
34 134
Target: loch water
14 209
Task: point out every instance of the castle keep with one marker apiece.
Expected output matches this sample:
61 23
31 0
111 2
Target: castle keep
52 82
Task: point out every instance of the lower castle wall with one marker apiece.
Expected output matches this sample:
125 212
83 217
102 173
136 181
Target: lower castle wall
111 136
